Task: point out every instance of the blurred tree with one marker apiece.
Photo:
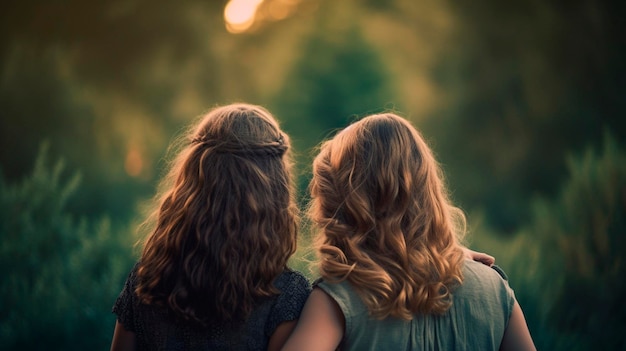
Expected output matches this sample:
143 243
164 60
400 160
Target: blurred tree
36 104
337 78
107 83
60 275
108 41
527 82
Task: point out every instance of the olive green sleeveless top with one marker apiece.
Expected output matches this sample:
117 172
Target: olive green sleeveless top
477 319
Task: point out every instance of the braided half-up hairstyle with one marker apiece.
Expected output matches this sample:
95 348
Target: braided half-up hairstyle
384 220
226 221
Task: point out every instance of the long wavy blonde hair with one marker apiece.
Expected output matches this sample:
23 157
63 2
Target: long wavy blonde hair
385 221
227 221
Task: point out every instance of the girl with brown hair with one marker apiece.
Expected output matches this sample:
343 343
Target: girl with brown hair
213 274
394 275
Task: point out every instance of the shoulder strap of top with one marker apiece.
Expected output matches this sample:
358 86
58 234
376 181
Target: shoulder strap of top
500 271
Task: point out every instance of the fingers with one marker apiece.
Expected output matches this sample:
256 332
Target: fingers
480 257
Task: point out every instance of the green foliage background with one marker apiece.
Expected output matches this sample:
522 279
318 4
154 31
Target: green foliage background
522 101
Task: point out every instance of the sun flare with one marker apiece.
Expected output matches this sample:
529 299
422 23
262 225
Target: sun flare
239 14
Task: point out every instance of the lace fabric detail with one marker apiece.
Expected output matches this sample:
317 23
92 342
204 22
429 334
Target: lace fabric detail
157 329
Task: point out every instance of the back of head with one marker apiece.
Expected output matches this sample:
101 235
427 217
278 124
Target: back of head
386 224
226 223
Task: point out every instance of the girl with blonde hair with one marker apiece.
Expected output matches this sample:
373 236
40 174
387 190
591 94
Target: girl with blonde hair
213 274
394 275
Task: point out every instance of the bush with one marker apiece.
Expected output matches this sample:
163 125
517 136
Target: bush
588 227
60 275
567 265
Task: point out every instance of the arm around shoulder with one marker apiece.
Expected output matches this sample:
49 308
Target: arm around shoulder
481 257
320 327
517 336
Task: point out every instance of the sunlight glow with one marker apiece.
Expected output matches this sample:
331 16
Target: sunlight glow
240 14
134 162
278 11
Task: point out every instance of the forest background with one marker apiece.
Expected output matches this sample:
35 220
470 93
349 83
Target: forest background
522 101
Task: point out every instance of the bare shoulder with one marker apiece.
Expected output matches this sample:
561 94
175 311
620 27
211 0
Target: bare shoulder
321 324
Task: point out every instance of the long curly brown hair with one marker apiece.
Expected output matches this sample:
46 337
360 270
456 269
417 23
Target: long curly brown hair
385 222
226 222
